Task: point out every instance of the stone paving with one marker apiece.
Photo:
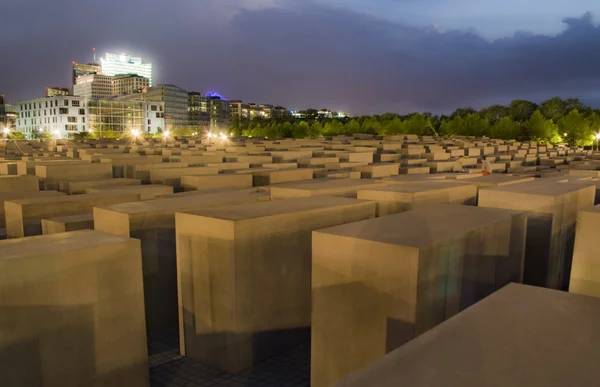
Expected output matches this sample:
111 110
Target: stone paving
169 369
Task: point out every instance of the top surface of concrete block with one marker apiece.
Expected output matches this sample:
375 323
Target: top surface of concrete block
318 184
417 187
539 187
180 203
423 227
66 198
520 336
50 244
265 209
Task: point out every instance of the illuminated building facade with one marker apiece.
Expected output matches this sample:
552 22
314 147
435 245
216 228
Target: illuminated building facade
8 114
208 112
54 91
118 64
128 83
252 110
94 86
81 69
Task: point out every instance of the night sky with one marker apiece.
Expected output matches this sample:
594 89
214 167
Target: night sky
360 56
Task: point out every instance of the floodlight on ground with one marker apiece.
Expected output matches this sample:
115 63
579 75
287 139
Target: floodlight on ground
135 132
224 136
597 136
166 133
40 130
565 134
210 135
6 130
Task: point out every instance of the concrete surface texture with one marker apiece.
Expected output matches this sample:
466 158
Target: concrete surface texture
319 187
72 311
520 336
585 270
403 197
7 196
68 223
79 187
50 175
552 214
25 183
146 192
378 283
153 222
23 216
219 181
244 276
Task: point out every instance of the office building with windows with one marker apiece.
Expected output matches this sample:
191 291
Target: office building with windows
174 100
118 64
8 114
252 110
81 69
128 83
94 86
63 116
208 112
52 91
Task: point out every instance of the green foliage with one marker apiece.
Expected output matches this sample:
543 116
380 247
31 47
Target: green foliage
505 129
577 129
521 110
43 135
541 129
17 136
302 130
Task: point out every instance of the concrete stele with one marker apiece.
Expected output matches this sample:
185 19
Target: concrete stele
256 260
72 311
379 283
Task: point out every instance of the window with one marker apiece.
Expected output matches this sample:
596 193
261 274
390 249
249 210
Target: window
157 115
71 119
63 111
153 108
81 111
75 103
149 122
71 127
51 104
46 103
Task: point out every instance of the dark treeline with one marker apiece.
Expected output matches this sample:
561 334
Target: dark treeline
553 121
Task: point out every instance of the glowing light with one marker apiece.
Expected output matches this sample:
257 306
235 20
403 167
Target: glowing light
224 136
212 94
565 134
6 130
135 132
597 136
40 130
210 135
166 133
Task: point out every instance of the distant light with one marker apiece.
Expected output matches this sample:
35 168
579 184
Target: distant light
565 134
40 130
135 132
597 136
223 136
210 135
166 133
6 130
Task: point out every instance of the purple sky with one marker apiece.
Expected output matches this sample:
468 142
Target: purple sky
361 56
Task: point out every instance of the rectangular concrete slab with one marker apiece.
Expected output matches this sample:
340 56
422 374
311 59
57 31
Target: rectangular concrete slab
146 192
23 183
68 223
51 174
552 214
585 270
79 187
379 283
544 337
153 222
404 197
264 178
72 312
7 196
219 181
172 176
23 216
256 260
328 186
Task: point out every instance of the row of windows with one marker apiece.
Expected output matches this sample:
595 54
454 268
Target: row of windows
38 105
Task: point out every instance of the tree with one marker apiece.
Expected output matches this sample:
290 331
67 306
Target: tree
371 125
521 110
45 135
16 136
416 124
541 129
463 112
393 127
553 108
577 129
452 127
352 127
301 130
494 113
505 129
235 126
473 125
333 128
316 129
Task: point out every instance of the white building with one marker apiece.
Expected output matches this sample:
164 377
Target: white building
94 86
118 64
63 116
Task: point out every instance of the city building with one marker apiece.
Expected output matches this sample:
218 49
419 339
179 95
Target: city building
81 69
208 112
128 83
118 64
174 99
252 110
52 91
94 86
318 114
8 114
63 116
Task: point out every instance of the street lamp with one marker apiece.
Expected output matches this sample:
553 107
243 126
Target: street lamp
135 132
6 130
166 133
597 138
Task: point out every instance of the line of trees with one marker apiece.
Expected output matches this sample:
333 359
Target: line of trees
552 121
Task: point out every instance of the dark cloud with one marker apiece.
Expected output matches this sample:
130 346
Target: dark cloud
301 56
